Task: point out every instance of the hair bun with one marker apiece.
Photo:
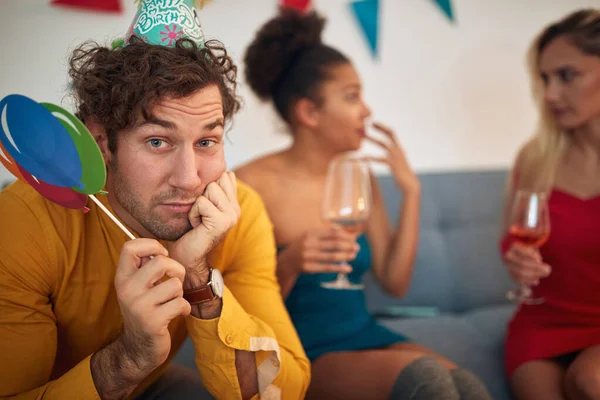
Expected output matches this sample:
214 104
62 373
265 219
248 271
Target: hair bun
276 46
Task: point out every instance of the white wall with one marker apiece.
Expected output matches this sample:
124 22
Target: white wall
457 95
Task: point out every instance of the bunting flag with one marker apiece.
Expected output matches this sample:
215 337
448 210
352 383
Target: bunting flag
366 13
300 5
446 7
112 6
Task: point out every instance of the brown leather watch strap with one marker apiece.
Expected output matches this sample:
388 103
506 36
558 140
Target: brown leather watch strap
200 295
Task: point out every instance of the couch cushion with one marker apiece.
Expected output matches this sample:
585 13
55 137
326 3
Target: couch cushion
473 340
458 266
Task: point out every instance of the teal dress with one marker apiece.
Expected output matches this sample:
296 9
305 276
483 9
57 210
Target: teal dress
337 320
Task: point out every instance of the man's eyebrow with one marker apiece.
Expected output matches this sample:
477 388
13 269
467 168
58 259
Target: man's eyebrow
218 123
159 122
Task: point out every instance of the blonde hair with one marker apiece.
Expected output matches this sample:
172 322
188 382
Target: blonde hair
540 156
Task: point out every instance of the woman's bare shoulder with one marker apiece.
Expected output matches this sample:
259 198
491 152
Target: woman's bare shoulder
260 171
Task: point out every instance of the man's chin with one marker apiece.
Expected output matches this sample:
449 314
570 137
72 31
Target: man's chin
172 230
172 235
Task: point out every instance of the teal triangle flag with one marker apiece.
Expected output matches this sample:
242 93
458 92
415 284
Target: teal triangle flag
446 7
367 15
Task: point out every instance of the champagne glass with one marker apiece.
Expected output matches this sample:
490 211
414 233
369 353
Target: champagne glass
347 203
529 226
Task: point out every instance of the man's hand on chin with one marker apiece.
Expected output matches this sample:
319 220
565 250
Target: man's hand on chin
212 216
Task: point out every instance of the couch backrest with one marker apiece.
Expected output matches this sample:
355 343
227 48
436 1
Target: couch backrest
458 264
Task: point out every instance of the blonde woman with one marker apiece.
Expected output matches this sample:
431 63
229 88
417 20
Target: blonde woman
553 349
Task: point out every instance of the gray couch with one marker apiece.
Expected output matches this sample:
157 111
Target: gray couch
458 270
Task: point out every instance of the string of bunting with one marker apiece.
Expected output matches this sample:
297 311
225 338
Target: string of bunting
366 13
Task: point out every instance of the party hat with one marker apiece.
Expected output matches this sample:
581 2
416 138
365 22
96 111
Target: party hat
163 22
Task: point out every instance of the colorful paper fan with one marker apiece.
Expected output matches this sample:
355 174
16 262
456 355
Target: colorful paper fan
36 141
50 149
9 163
93 171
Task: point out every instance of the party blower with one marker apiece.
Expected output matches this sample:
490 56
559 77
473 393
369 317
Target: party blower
50 149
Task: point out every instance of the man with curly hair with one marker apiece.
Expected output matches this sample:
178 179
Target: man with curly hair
86 313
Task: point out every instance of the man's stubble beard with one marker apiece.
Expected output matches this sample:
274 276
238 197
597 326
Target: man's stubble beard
127 197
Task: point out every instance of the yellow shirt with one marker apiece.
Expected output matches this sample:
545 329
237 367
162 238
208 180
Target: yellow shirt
58 303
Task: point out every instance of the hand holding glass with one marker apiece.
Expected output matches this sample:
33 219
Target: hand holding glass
529 226
347 203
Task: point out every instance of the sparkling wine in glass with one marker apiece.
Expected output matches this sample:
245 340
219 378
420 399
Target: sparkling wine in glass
530 226
347 204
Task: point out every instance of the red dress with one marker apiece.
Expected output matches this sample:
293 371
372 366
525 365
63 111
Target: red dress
569 319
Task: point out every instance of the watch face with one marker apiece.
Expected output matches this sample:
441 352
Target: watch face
217 283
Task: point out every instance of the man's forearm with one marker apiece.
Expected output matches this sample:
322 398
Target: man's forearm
245 361
209 310
245 365
115 375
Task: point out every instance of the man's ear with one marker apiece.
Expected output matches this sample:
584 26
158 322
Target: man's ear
307 113
99 134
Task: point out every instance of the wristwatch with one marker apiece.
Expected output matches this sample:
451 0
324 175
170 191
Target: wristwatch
211 291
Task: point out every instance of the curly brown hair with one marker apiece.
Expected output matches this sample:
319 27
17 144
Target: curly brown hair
116 86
